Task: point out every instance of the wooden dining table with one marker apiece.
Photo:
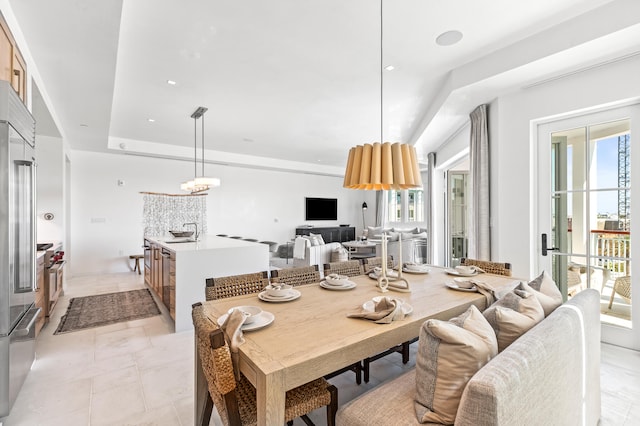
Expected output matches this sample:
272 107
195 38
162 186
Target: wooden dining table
312 336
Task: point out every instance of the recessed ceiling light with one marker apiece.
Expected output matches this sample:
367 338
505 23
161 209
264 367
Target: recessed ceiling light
247 140
84 125
389 68
449 38
171 82
151 120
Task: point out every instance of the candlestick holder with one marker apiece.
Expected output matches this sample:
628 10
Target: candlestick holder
386 283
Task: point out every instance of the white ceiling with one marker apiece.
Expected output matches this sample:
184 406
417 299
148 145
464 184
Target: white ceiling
298 80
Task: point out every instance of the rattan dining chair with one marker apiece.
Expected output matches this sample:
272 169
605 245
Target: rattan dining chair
235 285
350 268
369 263
296 276
497 268
234 399
621 286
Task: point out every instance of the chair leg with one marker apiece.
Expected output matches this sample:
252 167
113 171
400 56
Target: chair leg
405 352
365 369
208 409
332 408
305 419
290 422
613 294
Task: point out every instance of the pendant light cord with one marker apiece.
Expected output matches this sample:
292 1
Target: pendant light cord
202 145
195 147
381 81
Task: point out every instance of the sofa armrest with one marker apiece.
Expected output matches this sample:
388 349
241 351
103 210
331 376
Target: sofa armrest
317 255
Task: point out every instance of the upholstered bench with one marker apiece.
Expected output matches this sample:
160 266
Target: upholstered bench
550 375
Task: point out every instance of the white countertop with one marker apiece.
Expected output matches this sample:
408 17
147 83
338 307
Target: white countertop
205 242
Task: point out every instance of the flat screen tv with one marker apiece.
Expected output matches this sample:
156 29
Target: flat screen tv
321 208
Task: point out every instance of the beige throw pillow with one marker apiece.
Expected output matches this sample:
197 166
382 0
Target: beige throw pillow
513 315
546 291
449 354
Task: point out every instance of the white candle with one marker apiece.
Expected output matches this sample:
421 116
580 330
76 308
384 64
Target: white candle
384 255
400 252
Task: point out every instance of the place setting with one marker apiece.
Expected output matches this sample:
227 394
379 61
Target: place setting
464 271
337 282
377 272
253 317
415 268
277 293
382 310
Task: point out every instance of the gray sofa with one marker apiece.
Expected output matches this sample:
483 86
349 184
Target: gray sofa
549 376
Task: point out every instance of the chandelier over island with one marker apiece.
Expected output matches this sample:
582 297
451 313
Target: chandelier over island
199 183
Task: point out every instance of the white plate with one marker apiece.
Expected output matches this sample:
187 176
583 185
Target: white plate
369 305
416 269
460 274
348 285
390 274
293 295
262 320
455 286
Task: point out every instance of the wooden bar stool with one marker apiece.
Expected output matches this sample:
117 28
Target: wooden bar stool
137 258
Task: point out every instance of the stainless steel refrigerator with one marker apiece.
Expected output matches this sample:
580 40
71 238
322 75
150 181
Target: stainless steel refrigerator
18 313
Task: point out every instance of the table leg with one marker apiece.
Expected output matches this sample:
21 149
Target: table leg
270 393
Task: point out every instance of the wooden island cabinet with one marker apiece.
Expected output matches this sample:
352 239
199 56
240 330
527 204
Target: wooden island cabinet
40 296
176 271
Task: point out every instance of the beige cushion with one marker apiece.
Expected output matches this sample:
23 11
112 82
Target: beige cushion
390 403
449 354
546 291
513 315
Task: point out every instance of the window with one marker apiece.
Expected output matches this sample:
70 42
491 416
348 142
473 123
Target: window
405 206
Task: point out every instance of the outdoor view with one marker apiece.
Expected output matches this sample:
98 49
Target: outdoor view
591 215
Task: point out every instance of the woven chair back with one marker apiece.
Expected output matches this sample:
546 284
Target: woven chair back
370 263
622 286
235 285
350 268
215 360
497 268
296 276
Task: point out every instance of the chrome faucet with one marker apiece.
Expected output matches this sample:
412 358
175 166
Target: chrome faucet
196 226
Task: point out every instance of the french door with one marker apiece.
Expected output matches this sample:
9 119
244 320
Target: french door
585 215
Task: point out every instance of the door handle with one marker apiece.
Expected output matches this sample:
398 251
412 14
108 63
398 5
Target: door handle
546 249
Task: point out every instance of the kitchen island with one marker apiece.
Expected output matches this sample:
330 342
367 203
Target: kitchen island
176 271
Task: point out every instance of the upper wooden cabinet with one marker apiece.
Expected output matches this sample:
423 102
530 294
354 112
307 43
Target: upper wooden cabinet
12 65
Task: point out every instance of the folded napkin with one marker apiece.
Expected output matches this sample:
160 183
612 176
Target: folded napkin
487 291
385 310
232 328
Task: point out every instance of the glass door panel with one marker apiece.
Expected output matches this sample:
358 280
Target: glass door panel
590 209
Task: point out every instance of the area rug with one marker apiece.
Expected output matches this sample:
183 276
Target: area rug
104 309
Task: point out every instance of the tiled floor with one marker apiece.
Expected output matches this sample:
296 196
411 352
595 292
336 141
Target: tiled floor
138 373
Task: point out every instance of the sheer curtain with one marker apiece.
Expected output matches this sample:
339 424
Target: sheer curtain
479 226
428 211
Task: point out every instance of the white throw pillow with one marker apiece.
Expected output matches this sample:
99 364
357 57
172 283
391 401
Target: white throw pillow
318 238
546 291
449 354
513 315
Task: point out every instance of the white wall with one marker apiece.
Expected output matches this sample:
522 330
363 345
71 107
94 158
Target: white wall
106 219
514 238
50 188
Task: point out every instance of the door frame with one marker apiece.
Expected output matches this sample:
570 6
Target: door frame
541 130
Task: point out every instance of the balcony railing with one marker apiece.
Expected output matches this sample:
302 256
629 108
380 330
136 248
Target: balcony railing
612 250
